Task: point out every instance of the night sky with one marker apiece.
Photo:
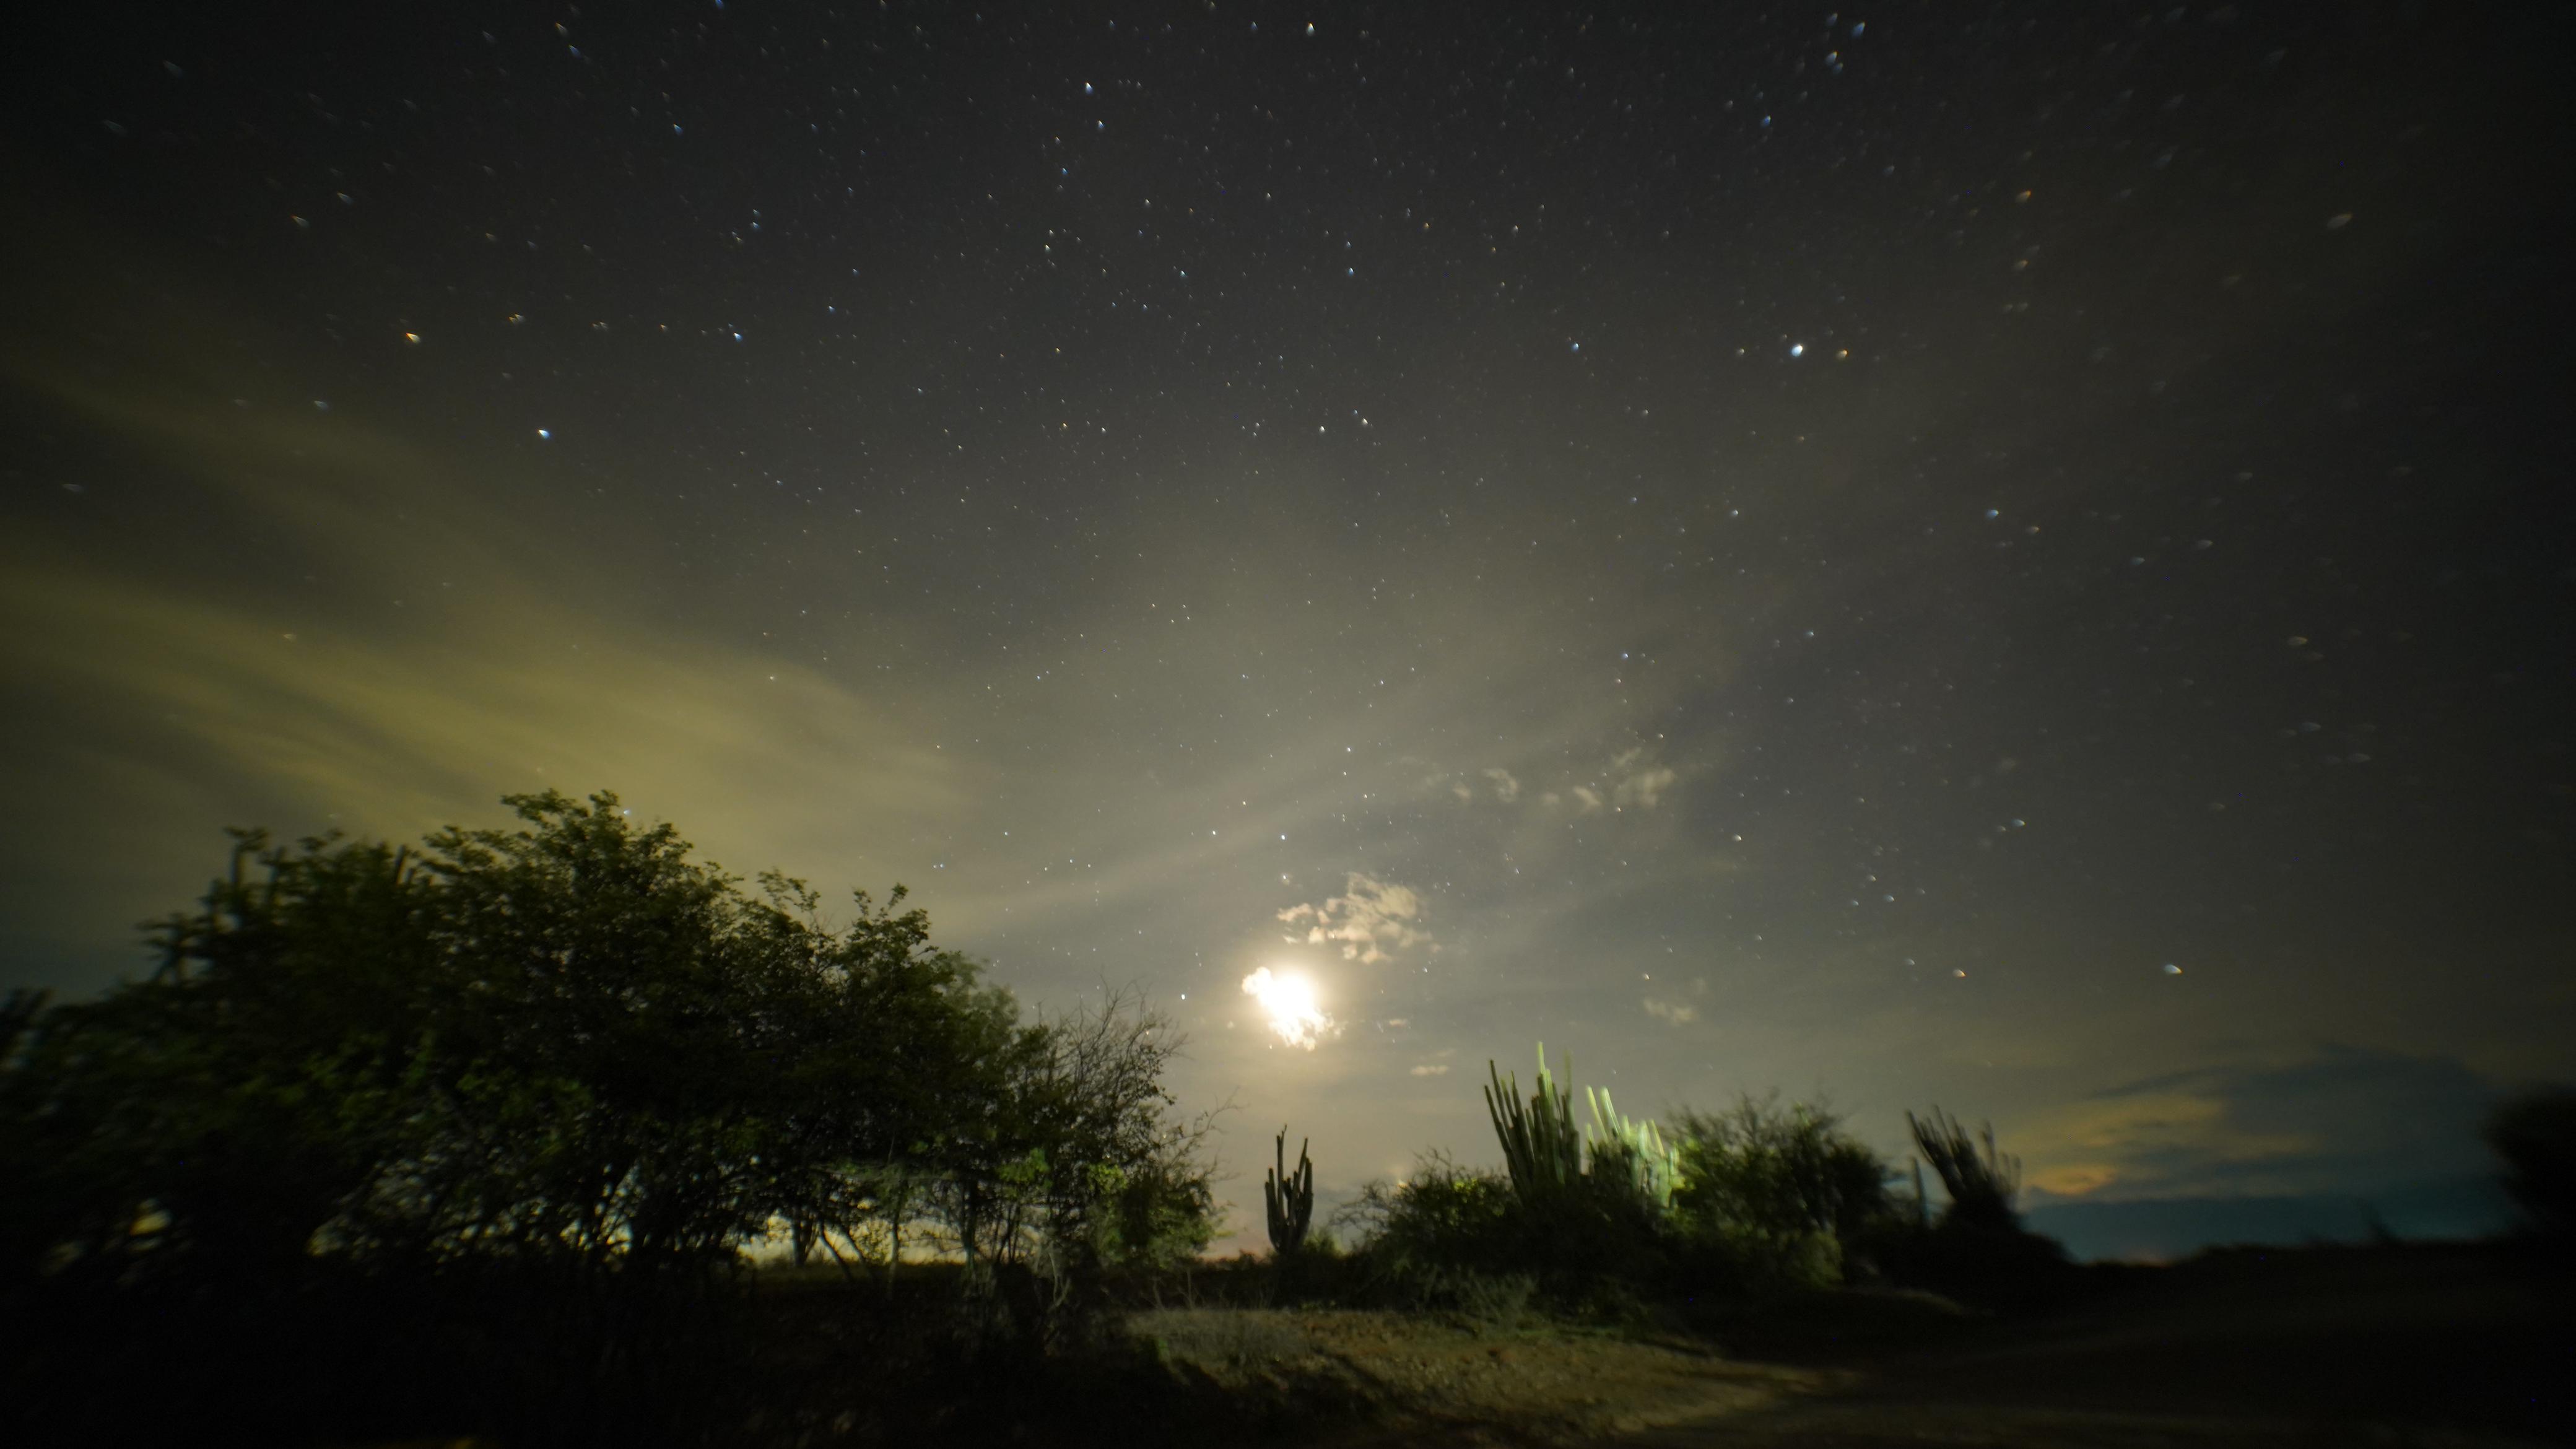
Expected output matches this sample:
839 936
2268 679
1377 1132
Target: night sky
2012 555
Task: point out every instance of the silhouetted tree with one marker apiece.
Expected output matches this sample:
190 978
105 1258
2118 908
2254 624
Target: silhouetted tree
544 1086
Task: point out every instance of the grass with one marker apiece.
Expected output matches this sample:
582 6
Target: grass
2413 1345
1220 1338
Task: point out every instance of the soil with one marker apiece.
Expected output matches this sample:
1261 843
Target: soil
2452 1347
1394 1378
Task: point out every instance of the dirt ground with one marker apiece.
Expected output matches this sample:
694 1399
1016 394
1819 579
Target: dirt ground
2433 1348
1419 1380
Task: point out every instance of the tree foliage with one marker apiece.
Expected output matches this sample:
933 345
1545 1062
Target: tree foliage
570 1054
1778 1172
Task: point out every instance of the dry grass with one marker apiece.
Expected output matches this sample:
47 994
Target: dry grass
1408 1378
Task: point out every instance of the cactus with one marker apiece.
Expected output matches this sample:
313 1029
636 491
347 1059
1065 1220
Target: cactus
1540 1145
1289 1198
1652 1165
1982 1188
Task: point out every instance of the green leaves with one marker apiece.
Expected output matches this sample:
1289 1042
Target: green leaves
1778 1172
567 1038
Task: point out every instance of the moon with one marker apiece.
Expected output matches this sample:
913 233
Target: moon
1290 1001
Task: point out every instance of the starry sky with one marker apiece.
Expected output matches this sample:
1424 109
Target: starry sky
2011 555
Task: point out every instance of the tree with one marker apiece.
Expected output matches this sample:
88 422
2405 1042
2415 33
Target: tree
1778 1171
1077 1165
549 1082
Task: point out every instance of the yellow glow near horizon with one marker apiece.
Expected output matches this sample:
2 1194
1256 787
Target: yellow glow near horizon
1290 1000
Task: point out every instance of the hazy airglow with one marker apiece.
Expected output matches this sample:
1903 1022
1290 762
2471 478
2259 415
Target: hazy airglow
1290 1001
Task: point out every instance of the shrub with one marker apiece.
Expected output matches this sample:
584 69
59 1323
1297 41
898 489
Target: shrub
1421 1241
1716 1257
2535 1134
2001 1268
1444 1217
1777 1192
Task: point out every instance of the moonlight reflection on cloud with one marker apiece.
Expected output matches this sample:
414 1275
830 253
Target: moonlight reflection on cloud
1290 1002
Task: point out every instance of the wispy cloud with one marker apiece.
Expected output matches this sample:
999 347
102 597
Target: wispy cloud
2343 1114
1639 782
1631 780
1373 919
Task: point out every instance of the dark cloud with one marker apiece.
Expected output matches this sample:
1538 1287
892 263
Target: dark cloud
2360 1119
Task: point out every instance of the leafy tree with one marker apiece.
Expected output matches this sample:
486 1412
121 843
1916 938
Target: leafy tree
1778 1172
1077 1167
544 1086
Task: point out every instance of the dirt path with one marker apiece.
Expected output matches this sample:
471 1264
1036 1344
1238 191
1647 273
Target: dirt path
2396 1347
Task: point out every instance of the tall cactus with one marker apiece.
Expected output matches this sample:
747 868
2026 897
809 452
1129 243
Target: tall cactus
1540 1143
1652 1166
1289 1198
1982 1188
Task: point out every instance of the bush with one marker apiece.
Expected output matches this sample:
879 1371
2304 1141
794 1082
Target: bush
1319 1270
1444 1217
1714 1257
1451 1238
2007 1269
1774 1196
2535 1134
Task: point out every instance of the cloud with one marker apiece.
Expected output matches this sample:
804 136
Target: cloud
2339 1116
1630 782
1373 919
1676 1012
400 657
1638 783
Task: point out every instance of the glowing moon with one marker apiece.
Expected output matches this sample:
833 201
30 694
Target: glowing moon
1290 1001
